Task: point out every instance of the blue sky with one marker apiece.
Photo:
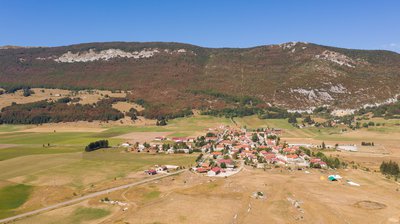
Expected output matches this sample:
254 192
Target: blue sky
363 24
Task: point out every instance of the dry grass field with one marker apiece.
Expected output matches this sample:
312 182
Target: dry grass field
63 171
190 198
87 97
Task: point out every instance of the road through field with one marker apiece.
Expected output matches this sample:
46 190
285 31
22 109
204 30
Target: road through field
75 200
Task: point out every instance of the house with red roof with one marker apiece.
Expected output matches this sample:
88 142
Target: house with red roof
219 147
214 171
211 139
317 161
226 142
160 138
216 154
269 157
292 157
151 172
201 170
178 139
228 162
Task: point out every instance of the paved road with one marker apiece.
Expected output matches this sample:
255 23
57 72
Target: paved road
220 138
75 200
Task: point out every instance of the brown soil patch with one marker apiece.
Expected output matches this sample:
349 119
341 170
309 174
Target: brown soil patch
17 97
4 146
126 106
370 205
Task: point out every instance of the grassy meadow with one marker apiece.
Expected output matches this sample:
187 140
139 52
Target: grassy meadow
12 197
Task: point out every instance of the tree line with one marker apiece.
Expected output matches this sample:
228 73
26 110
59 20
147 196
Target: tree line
96 145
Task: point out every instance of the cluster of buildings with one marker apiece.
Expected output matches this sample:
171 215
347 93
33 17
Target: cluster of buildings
259 148
223 151
161 169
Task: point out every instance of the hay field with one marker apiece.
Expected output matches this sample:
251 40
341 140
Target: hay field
190 198
62 170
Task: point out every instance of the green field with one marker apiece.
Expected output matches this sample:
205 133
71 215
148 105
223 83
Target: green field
65 138
78 170
8 128
37 160
77 214
24 150
82 214
13 196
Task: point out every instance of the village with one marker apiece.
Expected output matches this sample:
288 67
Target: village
224 151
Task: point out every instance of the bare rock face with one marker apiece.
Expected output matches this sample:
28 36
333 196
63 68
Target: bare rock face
105 55
337 58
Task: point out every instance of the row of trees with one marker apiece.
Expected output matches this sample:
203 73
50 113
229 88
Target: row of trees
232 112
159 111
12 89
96 145
242 111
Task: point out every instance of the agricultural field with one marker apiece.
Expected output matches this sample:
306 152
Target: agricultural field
54 166
318 200
46 164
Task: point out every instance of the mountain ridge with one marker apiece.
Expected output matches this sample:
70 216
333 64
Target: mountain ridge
189 44
293 75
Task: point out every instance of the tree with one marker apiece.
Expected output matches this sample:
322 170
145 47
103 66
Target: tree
210 134
132 113
199 157
292 120
161 122
27 92
235 155
323 145
390 168
308 120
254 137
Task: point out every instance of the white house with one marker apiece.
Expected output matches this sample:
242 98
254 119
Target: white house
125 144
350 148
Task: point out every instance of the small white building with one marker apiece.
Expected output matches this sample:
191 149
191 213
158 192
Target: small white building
170 151
350 148
172 167
125 144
